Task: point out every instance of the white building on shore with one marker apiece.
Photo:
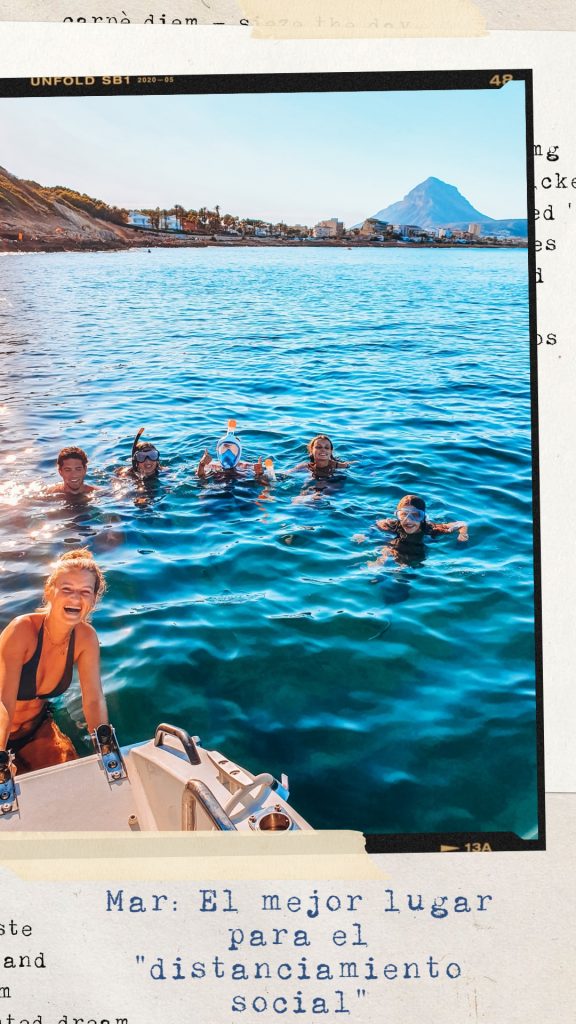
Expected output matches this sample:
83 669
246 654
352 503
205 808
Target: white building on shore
138 220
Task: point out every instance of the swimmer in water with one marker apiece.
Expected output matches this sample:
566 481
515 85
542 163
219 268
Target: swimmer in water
322 467
72 465
37 656
228 464
145 460
410 527
322 464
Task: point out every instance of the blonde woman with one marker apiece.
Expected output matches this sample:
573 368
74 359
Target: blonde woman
37 656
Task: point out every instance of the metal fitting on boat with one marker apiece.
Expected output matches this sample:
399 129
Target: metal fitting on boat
108 751
8 797
271 819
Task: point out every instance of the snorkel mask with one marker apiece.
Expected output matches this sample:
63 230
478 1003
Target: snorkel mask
411 510
228 448
143 453
409 514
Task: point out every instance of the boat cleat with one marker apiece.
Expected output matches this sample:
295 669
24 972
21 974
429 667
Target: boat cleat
108 751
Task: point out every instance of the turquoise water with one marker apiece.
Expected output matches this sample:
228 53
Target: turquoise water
397 698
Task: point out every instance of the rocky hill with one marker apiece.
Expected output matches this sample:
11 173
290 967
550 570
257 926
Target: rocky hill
34 217
435 204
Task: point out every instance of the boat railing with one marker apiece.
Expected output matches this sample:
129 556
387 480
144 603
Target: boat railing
196 794
180 734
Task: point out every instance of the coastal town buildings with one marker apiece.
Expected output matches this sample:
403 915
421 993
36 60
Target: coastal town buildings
332 228
408 230
374 228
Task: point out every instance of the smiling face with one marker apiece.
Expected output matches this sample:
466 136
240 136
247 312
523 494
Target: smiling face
72 472
148 468
71 596
146 460
321 451
411 518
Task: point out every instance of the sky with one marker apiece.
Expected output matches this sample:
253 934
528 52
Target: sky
293 157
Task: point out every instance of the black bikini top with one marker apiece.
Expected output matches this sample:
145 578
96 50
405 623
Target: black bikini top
27 688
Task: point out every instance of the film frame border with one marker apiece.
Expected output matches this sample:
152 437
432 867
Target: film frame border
352 81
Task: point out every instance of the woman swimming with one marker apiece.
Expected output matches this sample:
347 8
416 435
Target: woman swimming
322 464
37 656
410 526
145 458
322 467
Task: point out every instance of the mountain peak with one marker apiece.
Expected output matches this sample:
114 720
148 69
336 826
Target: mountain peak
432 204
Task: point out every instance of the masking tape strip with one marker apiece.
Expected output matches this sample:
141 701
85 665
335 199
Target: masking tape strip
177 856
85 845
372 19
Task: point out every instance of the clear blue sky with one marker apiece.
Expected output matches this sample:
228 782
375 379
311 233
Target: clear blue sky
297 157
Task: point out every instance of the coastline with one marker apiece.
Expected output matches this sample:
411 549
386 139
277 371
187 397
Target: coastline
152 241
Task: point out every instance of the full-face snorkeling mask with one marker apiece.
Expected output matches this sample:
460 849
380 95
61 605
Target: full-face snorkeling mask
140 454
228 448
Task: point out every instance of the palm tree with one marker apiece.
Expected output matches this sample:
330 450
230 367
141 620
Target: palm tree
191 220
179 212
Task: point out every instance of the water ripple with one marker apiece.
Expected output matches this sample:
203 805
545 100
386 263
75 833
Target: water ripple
247 613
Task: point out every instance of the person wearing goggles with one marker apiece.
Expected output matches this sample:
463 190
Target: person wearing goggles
228 463
145 458
410 526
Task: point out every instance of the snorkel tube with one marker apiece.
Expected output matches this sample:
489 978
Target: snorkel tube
139 457
135 446
228 448
269 471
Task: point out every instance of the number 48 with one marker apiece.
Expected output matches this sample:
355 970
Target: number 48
501 79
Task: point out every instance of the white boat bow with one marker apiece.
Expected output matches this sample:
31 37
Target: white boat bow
169 783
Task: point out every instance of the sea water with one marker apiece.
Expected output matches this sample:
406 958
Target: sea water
398 698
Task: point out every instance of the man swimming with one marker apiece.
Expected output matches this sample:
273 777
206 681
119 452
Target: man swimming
72 463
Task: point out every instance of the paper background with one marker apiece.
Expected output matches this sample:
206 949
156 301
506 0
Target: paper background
515 966
475 16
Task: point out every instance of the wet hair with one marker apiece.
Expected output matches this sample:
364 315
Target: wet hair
72 452
79 558
310 446
319 437
416 502
412 499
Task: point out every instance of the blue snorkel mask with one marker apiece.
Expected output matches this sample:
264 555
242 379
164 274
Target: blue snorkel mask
228 448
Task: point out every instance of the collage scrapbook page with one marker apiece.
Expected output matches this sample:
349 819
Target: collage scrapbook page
281 324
